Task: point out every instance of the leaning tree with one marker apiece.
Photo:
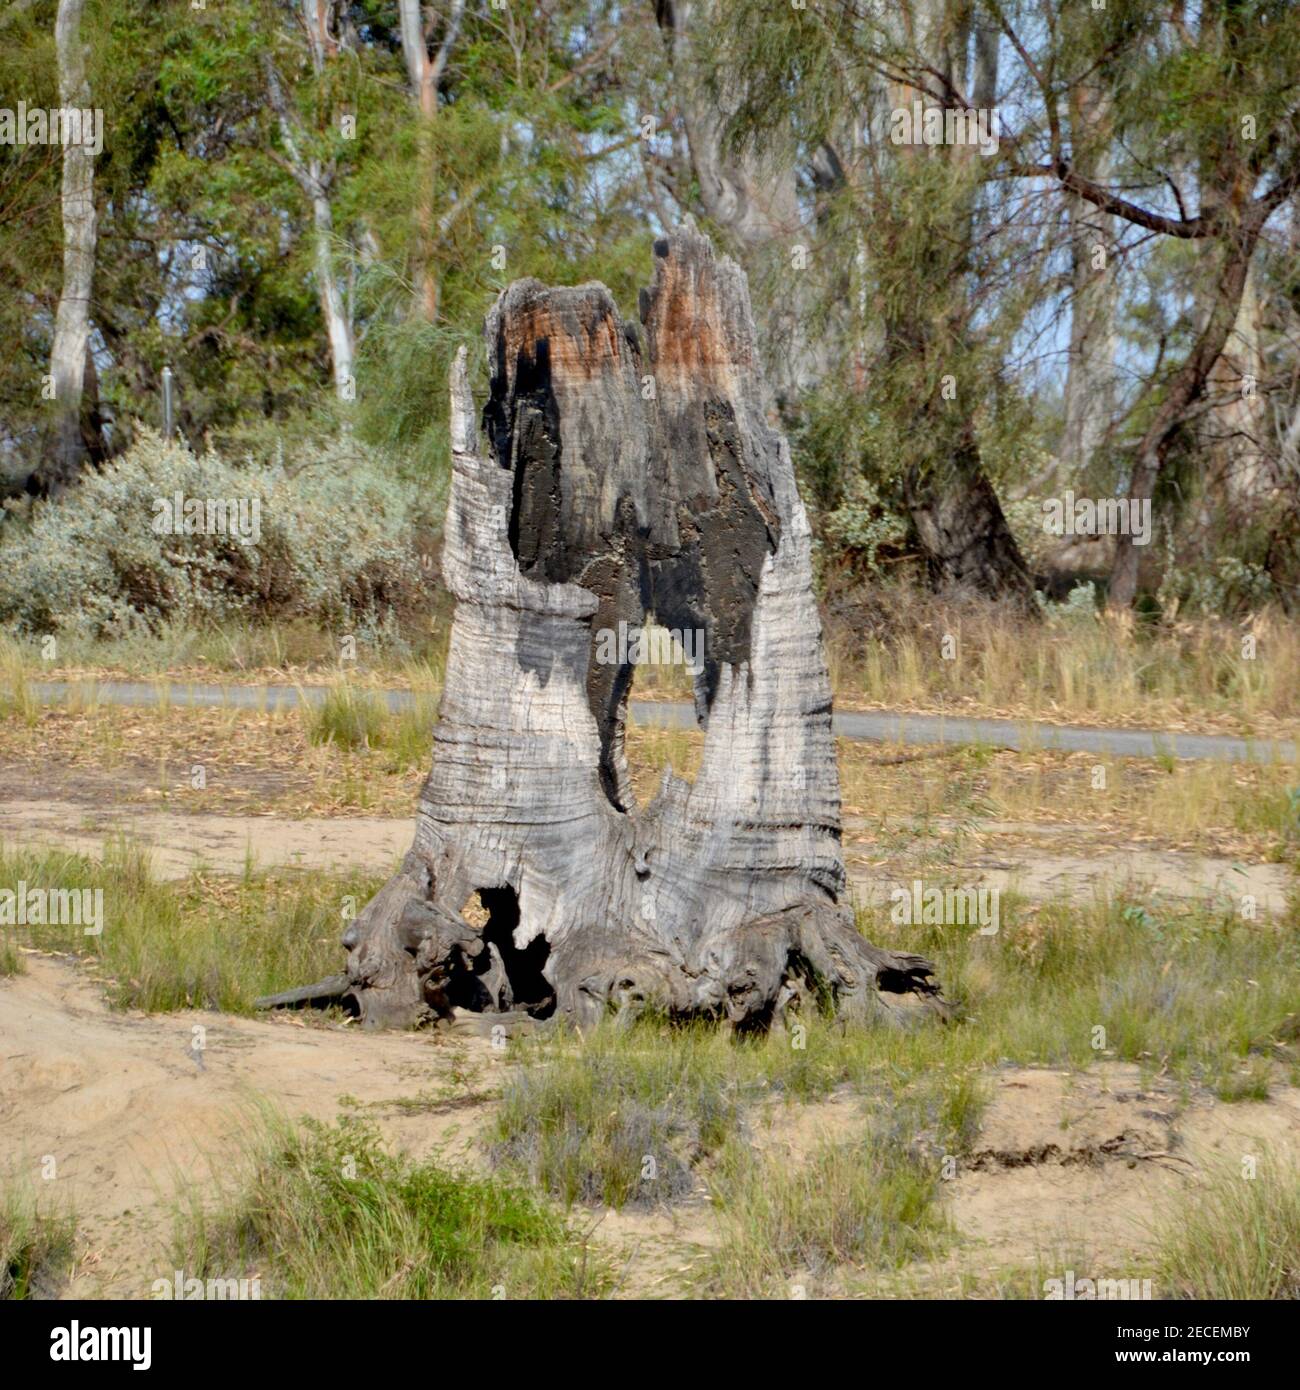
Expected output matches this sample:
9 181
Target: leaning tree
620 474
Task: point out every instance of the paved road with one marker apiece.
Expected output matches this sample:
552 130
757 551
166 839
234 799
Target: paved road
873 727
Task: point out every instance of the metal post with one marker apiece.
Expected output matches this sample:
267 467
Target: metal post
169 422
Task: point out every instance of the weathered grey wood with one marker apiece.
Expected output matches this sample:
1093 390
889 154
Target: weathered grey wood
331 988
623 472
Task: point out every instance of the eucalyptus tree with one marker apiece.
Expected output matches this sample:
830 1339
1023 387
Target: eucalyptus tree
912 252
70 349
1206 149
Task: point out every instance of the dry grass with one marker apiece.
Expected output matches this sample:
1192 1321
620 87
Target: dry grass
352 757
1245 810
1075 667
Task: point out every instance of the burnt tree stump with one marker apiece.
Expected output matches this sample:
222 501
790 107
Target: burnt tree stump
621 473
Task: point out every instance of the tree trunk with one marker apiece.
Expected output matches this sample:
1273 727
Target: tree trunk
1235 429
751 197
1185 388
333 306
72 323
956 517
1090 375
621 478
316 179
424 74
964 535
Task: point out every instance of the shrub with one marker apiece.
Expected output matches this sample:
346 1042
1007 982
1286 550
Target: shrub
864 527
333 543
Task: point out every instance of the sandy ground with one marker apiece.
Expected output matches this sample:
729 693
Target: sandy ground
179 843
1070 1162
120 1103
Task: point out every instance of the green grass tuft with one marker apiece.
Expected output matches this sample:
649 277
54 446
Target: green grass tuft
36 1246
621 1118
348 718
872 1204
201 943
325 1212
1234 1238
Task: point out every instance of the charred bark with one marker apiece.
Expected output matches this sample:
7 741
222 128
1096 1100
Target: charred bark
623 473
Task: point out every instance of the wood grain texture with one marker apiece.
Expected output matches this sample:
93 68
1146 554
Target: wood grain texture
623 471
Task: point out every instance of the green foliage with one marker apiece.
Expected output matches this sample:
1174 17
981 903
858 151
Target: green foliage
936 297
335 546
864 526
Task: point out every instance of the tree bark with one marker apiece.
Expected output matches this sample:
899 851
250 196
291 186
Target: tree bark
315 179
963 533
624 475
338 323
1235 429
72 322
955 513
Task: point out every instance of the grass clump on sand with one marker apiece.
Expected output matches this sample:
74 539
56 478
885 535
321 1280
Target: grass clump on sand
324 1211
622 1116
1234 1237
784 1224
36 1246
205 942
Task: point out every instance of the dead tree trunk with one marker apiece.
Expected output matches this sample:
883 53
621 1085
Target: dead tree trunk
621 477
69 351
